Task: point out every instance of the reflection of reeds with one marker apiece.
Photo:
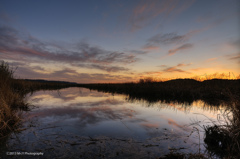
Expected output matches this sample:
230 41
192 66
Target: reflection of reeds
212 92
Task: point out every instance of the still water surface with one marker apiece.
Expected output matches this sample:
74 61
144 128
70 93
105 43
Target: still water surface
77 122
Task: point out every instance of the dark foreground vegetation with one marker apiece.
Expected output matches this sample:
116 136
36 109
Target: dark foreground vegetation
222 139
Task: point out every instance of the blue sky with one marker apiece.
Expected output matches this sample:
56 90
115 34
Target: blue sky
119 41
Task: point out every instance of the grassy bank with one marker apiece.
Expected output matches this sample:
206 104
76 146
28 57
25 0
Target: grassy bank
9 100
12 93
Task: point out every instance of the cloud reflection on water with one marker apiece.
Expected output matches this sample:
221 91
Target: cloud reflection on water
75 112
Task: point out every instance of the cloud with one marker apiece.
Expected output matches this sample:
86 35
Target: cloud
68 74
138 51
151 48
165 69
149 73
176 68
15 45
172 38
152 10
235 43
235 57
173 69
103 67
168 38
109 68
162 66
211 59
182 64
182 47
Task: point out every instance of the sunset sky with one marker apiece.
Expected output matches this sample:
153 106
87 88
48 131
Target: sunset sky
88 41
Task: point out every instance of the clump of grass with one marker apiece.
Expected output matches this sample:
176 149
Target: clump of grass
224 139
9 99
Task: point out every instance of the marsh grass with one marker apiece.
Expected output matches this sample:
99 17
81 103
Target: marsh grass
223 138
9 99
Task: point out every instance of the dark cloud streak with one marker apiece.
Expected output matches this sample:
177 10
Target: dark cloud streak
168 38
176 68
182 47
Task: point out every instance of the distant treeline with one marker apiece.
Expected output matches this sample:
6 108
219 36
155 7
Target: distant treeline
47 81
180 90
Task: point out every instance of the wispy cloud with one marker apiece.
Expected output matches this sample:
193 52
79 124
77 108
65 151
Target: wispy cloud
174 69
235 43
182 47
168 38
171 38
150 48
177 69
182 64
106 68
139 52
162 66
211 59
235 57
147 11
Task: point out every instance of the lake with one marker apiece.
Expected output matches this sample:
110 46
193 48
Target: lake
78 122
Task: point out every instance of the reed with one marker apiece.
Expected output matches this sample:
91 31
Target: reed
8 100
223 138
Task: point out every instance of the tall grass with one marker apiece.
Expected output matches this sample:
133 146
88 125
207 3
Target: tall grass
223 138
9 99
